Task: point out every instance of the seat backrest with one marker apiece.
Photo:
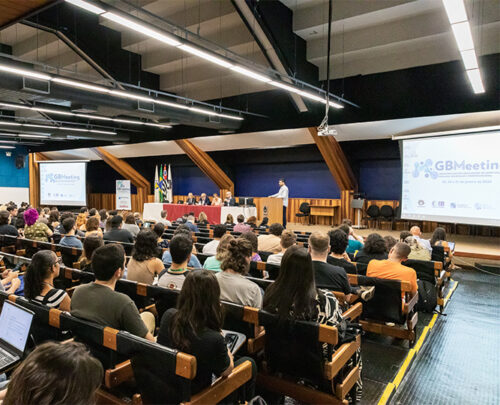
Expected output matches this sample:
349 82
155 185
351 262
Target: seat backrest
202 257
361 268
373 211
264 255
438 254
305 208
386 211
386 304
423 268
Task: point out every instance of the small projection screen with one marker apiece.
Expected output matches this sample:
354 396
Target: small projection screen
454 178
63 183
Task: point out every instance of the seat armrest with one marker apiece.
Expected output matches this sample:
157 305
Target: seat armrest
354 311
119 374
410 304
223 386
340 358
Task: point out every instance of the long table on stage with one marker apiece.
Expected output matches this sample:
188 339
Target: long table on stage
215 214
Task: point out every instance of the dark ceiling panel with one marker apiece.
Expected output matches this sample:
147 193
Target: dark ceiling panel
12 11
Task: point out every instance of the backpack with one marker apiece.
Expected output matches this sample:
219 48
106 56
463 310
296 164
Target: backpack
427 297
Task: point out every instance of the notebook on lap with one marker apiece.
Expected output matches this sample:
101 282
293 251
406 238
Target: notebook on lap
15 325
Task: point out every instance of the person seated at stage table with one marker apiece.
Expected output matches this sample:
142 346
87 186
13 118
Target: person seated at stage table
252 221
193 261
69 238
240 225
181 247
39 281
354 244
252 238
35 230
264 224
439 239
55 373
403 235
233 284
144 264
211 247
216 200
417 234
374 248
392 268
213 262
229 220
93 229
195 327
190 223
90 244
288 238
272 241
158 229
418 252
229 201
5 227
191 199
202 219
130 225
163 218
390 241
338 255
204 200
325 274
99 302
116 233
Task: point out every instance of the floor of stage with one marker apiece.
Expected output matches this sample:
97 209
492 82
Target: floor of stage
469 249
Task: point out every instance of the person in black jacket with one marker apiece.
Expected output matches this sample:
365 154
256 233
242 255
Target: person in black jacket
374 248
204 200
191 200
229 201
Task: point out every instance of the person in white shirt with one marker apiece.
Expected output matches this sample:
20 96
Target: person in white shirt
211 247
288 238
417 234
164 219
283 194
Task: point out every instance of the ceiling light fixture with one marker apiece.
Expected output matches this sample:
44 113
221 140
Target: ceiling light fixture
61 128
86 6
205 55
24 72
7 147
249 73
457 15
80 85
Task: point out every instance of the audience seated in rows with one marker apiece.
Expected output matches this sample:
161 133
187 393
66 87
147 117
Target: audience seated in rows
417 234
163 218
9 281
390 241
53 221
252 238
264 224
190 223
326 275
338 255
103 217
39 281
90 244
69 238
355 242
57 374
374 248
181 248
287 239
229 220
81 219
144 264
439 239
294 296
271 242
34 229
235 265
13 211
194 327
100 303
211 247
92 227
193 260
130 225
158 229
241 226
391 268
5 224
116 233
252 222
213 262
202 219
418 251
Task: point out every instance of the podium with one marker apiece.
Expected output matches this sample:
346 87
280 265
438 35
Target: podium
271 208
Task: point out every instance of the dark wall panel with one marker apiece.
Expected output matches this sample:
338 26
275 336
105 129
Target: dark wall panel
380 179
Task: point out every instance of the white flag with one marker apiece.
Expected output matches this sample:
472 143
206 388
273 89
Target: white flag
157 187
170 186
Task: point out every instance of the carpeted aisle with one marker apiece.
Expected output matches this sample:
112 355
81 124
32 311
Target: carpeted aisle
460 361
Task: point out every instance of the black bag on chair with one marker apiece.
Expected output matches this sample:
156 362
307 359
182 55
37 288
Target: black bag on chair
427 297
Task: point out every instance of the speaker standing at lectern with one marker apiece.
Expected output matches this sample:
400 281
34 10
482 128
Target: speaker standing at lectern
282 193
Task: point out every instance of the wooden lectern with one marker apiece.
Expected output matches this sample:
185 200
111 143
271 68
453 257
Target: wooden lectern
271 208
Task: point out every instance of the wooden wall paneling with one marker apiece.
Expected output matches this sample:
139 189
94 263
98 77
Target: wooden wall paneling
34 177
15 10
207 165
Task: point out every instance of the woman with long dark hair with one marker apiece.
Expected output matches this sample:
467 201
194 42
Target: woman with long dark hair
194 327
439 239
90 244
294 296
39 281
145 264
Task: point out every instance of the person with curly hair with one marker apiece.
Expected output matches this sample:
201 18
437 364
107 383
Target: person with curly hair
145 264
374 248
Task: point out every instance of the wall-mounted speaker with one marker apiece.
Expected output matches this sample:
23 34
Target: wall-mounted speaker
20 161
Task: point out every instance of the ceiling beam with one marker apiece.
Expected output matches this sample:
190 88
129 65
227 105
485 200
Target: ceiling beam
207 165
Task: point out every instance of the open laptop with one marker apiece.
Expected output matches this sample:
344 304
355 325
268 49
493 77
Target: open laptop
15 325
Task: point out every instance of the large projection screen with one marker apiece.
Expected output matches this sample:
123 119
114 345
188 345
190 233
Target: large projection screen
454 178
63 183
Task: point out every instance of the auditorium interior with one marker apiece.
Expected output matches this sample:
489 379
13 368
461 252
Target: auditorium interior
249 202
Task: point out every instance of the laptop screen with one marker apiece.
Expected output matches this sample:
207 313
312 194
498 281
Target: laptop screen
15 324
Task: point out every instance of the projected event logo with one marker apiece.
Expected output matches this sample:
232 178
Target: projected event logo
425 167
